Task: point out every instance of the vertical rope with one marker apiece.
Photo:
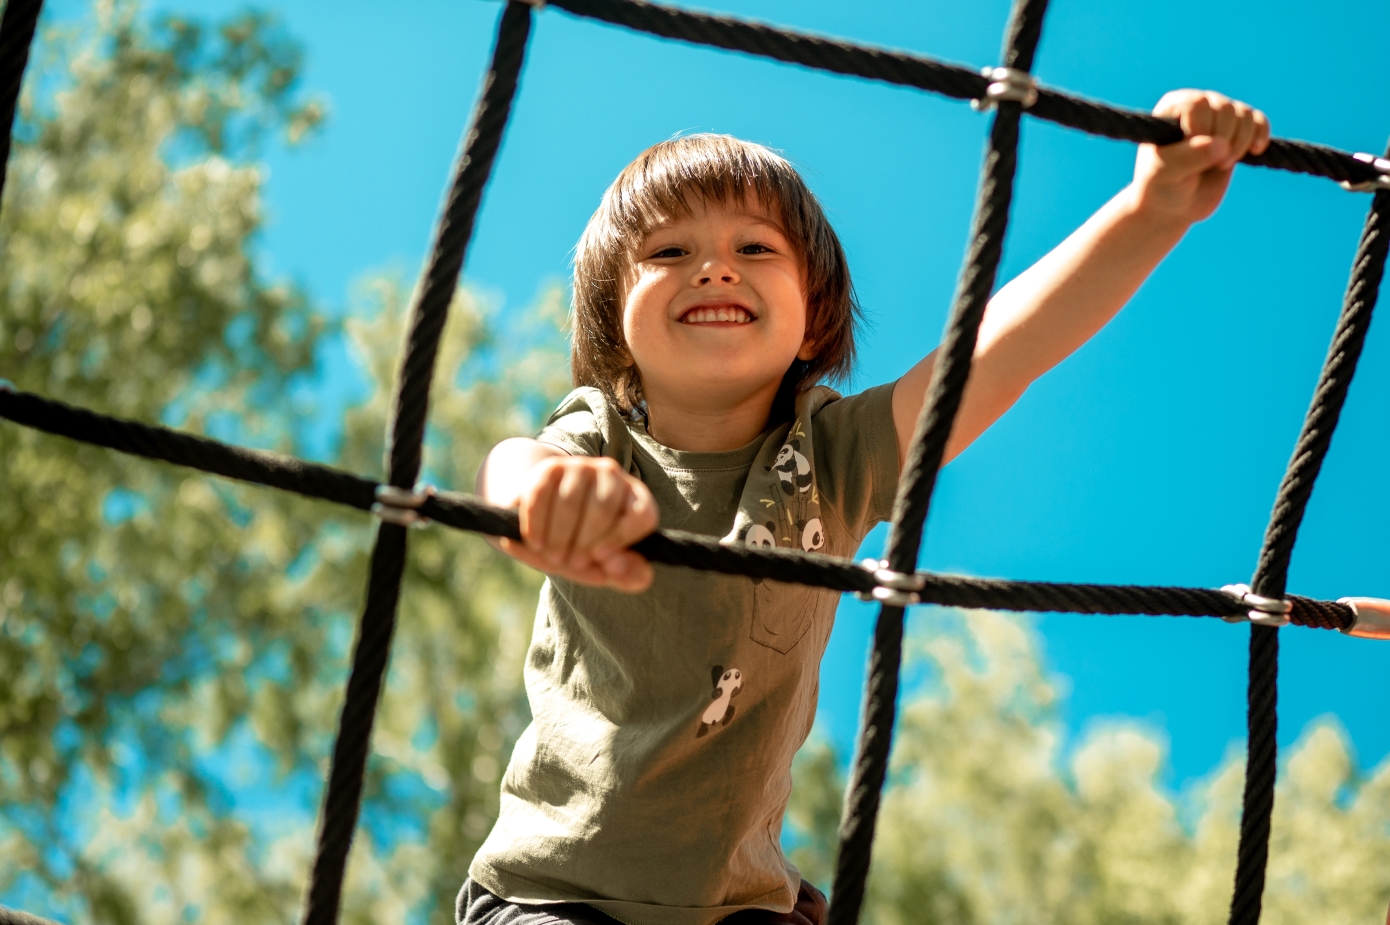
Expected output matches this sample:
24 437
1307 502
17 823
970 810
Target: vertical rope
342 799
924 457
1271 574
16 38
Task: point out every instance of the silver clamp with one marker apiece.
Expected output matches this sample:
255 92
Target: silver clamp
897 589
1264 611
538 4
1372 617
1006 84
1380 183
401 507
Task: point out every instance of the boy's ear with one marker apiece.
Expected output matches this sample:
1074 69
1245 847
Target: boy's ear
807 351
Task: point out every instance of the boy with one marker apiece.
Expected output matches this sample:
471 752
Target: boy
711 295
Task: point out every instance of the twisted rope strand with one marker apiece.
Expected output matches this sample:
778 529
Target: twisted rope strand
1272 570
951 80
371 651
16 38
924 457
670 547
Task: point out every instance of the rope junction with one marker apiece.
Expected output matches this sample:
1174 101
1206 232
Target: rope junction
1008 90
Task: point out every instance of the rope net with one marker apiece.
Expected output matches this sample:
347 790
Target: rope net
398 505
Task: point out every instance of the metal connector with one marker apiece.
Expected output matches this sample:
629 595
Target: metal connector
1007 84
1264 611
1380 183
897 589
1372 617
401 507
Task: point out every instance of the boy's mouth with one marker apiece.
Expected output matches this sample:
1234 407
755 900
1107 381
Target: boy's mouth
714 314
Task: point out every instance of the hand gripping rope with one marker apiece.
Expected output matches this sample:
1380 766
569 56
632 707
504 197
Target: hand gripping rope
1007 91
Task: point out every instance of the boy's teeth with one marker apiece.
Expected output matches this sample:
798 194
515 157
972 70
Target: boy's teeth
722 313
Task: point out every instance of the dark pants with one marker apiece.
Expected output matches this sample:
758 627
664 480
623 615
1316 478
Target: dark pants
476 906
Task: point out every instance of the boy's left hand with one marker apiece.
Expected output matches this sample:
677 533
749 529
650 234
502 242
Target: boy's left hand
1184 182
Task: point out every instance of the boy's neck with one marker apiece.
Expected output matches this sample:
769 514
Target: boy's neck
699 425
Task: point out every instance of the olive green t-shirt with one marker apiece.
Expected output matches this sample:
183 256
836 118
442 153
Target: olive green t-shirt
653 778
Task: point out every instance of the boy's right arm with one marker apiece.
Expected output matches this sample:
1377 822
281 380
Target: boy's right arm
578 513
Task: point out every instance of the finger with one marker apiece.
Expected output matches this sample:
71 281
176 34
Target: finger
606 501
587 573
1197 117
1172 103
639 516
1262 132
536 502
571 498
1194 155
627 571
1244 133
1223 117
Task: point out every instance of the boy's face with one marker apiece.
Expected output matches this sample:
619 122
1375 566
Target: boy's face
715 309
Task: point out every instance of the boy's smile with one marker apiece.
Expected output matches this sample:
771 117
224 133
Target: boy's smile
715 313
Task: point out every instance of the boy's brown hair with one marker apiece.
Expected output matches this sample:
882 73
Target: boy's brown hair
660 184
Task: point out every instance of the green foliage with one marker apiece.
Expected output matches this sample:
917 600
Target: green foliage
979 825
160 629
172 647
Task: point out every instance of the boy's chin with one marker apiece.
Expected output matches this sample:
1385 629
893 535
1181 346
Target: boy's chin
719 384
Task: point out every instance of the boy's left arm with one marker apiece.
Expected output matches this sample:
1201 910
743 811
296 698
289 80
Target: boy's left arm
1046 313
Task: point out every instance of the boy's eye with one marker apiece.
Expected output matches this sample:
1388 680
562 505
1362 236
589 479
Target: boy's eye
672 251
755 249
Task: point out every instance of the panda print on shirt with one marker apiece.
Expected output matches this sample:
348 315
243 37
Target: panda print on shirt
787 515
720 712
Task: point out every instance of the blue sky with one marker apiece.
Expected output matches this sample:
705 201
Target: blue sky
1151 456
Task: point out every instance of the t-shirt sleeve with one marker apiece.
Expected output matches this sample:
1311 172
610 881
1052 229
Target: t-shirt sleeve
576 433
856 445
586 424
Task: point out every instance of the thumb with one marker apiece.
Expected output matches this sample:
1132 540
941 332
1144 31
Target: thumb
1195 155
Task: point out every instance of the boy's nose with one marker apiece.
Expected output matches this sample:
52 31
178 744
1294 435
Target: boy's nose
711 272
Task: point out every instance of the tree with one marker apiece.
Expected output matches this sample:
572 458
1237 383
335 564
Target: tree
981 823
172 646
162 631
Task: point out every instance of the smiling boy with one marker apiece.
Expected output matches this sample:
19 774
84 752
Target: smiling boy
711 296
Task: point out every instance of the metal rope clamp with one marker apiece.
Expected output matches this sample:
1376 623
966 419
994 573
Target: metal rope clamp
897 589
401 507
1264 611
1006 85
1380 183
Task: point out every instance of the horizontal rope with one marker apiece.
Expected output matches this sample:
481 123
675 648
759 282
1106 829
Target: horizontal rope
951 80
668 547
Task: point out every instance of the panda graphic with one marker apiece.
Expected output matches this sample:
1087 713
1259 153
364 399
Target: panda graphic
792 468
720 712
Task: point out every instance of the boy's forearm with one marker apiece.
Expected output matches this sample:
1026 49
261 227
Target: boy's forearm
1047 312
504 472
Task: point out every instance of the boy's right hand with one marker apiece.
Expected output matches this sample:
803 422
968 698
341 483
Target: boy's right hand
578 516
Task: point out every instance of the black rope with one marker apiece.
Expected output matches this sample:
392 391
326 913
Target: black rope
1272 571
919 473
371 651
950 80
669 547
429 315
16 37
